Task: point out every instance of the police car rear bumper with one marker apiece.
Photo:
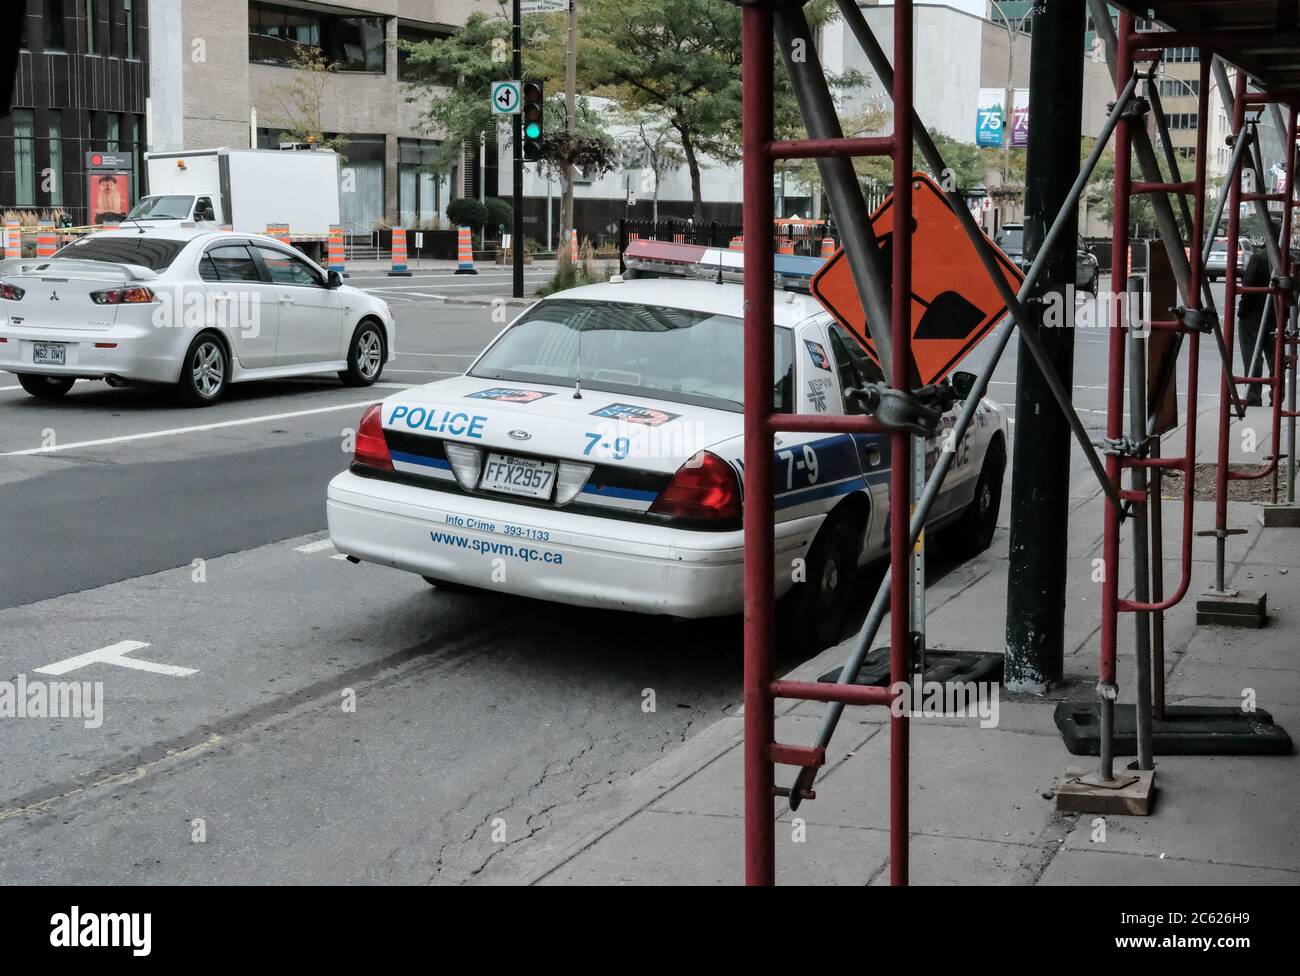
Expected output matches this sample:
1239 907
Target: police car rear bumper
549 554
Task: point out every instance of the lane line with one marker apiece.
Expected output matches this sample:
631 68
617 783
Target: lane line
196 429
320 545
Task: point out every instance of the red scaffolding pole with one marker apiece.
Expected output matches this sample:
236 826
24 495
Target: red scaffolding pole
762 689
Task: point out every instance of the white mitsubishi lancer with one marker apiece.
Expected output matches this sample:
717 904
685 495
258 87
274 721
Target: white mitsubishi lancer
593 455
191 307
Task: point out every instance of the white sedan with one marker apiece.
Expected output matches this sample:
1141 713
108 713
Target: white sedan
196 308
592 455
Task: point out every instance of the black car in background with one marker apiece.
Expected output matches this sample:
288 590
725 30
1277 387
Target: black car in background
1011 239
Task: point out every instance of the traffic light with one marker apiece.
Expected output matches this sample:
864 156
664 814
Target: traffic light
532 112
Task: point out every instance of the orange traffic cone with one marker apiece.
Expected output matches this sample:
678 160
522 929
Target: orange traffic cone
464 252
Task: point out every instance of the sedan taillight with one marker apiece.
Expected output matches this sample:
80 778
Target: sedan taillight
138 295
10 292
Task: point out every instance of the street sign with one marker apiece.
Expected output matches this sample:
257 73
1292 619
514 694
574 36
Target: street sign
108 160
543 6
506 97
954 301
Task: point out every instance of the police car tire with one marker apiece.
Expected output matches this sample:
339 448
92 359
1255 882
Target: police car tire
353 375
45 387
806 621
973 532
188 390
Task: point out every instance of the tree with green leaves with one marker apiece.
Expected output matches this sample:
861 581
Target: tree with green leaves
651 149
453 81
679 60
300 101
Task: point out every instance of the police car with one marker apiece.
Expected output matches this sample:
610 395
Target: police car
593 455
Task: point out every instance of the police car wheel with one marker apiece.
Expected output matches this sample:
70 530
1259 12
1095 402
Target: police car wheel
45 387
365 356
205 372
973 533
813 613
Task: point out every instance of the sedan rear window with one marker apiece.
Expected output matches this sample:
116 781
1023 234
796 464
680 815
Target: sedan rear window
154 253
671 354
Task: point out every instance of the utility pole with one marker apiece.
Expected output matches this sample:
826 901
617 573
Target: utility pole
570 113
1040 477
517 141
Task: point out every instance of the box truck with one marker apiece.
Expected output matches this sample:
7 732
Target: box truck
247 189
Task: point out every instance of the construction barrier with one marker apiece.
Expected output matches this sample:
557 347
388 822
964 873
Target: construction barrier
573 245
280 232
335 250
464 251
399 254
227 227
786 246
737 244
13 239
828 246
47 239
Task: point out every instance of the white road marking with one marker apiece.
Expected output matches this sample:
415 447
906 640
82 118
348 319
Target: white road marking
116 654
434 372
320 545
441 355
196 429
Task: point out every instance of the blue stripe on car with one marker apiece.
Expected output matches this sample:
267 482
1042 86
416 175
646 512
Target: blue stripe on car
420 459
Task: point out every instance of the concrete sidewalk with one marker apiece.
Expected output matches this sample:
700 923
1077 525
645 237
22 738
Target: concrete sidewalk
982 801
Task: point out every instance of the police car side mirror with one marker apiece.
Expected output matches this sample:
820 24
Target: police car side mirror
962 384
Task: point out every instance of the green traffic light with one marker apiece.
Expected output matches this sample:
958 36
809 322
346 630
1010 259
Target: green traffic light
533 130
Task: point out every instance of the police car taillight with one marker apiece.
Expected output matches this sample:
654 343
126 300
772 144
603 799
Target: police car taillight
705 487
371 449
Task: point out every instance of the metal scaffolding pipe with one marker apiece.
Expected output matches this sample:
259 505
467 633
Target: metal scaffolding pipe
876 613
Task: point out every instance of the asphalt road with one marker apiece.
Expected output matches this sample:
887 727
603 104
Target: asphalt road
312 720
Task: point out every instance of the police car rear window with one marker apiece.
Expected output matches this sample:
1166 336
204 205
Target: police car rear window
155 253
673 354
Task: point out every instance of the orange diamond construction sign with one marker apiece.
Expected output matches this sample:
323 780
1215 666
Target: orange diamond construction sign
955 303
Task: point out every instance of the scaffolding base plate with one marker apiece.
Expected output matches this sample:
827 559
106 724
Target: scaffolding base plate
1279 516
942 666
1186 730
1242 609
1129 794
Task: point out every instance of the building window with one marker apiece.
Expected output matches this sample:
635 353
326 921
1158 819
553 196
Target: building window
421 194
128 8
90 27
406 71
54 25
1182 120
349 43
55 133
1177 88
24 158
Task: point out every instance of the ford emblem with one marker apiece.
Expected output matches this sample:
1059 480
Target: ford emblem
520 435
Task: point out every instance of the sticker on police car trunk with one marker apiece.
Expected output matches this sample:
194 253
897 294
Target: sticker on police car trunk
505 394
632 414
